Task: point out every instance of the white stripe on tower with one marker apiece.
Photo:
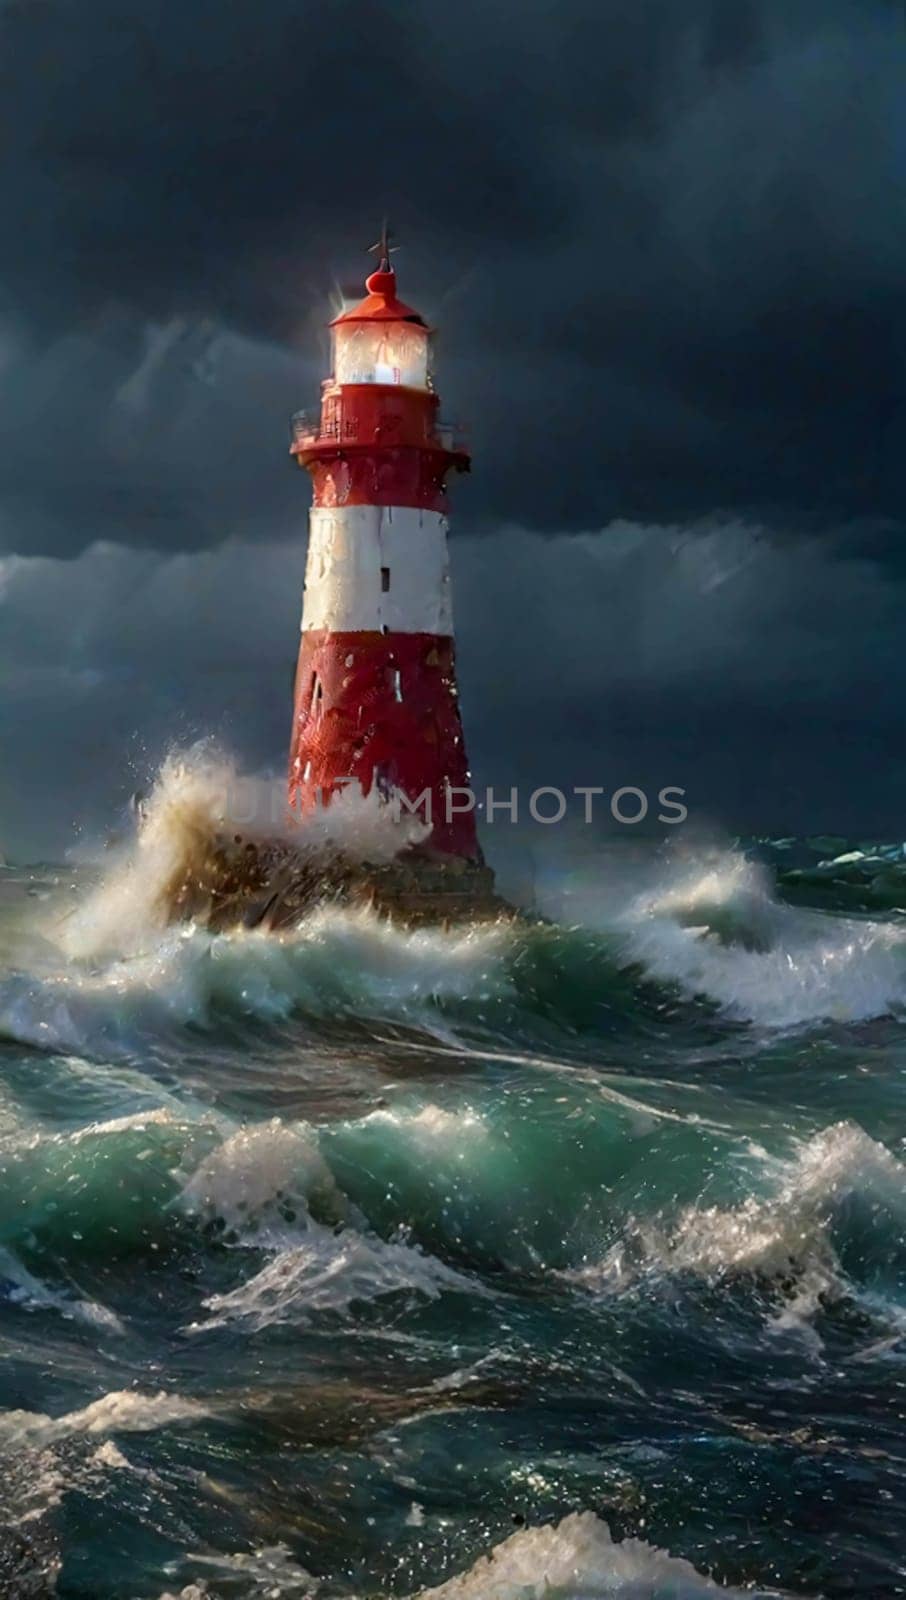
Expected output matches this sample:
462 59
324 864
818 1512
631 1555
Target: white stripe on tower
374 569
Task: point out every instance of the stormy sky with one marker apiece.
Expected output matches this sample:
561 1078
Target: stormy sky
665 245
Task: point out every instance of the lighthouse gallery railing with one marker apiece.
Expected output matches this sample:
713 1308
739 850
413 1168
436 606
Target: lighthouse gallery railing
307 427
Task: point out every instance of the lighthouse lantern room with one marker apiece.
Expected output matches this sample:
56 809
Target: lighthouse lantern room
376 700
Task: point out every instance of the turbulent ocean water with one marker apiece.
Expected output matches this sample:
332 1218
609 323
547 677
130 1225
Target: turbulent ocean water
563 1259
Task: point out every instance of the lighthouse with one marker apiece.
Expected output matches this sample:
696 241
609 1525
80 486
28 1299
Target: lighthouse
376 701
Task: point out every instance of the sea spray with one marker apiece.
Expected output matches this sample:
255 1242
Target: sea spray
200 799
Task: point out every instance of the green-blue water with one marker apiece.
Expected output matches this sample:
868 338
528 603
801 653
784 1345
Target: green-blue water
333 1262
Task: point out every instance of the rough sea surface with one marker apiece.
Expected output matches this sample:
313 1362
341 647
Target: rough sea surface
559 1260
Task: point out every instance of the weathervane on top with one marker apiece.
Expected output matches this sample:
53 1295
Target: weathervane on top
385 247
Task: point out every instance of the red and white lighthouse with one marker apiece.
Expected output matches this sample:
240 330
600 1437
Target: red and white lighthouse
376 698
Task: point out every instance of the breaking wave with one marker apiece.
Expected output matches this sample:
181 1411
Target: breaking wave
705 926
574 1559
330 1273
425 1202
830 1224
336 963
579 1560
348 964
119 1412
716 930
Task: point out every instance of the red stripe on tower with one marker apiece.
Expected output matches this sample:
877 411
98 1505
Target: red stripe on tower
376 697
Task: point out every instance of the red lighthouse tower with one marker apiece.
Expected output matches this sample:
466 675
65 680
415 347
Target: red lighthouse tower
376 697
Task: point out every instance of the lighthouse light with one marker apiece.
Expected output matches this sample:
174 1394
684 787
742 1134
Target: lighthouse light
381 352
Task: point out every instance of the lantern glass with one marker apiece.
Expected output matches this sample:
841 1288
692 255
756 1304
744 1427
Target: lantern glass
381 352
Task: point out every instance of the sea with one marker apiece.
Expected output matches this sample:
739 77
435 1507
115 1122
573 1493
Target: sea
561 1257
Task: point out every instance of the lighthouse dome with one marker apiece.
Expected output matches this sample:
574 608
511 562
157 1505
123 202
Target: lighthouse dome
381 340
380 303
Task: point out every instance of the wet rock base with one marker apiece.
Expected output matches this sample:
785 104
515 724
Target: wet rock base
271 884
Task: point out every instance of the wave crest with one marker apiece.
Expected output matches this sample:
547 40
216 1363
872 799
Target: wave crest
577 1559
805 1237
714 928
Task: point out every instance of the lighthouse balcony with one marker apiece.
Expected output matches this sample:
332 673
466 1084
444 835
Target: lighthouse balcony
311 429
308 428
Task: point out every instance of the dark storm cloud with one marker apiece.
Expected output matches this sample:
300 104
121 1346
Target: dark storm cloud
665 243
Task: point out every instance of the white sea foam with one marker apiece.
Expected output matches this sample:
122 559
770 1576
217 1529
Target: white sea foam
353 961
578 1560
335 962
258 1173
786 1235
709 925
110 1456
330 1271
714 928
121 1411
33 1485
134 1121
270 1570
433 1126
575 1559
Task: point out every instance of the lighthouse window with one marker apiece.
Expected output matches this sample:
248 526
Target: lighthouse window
397 684
317 694
385 579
